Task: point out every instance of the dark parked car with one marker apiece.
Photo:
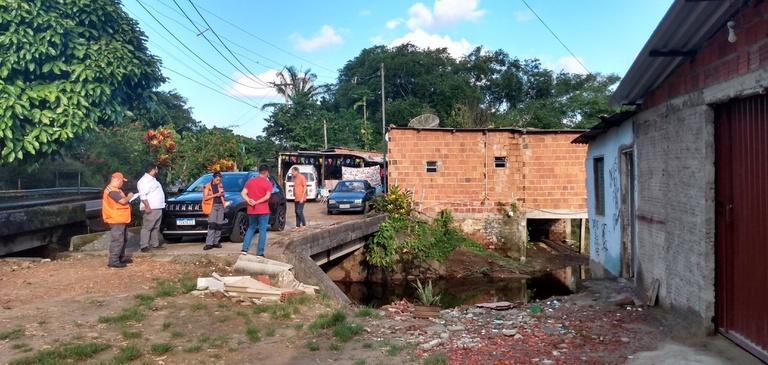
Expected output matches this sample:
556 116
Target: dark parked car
183 215
350 196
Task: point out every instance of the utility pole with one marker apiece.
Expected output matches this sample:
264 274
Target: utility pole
325 136
384 132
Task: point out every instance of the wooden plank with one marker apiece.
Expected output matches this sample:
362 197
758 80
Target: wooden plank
559 247
251 290
582 237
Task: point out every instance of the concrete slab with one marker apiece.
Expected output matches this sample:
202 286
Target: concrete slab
715 350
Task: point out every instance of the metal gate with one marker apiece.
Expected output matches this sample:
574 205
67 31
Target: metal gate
741 191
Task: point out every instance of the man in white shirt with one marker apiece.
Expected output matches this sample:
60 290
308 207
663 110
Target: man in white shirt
152 203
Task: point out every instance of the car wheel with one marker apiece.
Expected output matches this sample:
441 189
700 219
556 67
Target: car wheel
173 239
239 228
330 212
279 223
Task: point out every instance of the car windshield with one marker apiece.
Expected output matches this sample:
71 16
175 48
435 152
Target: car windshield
307 175
231 182
349 187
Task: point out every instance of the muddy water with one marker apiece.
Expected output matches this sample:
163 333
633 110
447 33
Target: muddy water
456 292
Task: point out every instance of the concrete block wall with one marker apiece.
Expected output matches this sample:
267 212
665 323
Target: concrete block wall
543 169
675 215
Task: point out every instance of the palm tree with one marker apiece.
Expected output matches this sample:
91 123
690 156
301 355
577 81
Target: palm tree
295 85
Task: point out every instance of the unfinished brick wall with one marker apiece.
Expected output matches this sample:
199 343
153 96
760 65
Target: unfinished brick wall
543 169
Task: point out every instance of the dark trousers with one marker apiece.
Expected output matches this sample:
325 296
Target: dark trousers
299 209
117 241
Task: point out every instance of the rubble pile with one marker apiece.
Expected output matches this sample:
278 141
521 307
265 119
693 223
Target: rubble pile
547 332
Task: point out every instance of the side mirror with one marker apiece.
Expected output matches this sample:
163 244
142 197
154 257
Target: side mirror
181 190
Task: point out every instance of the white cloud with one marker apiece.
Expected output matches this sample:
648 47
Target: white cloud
392 24
444 12
325 37
249 86
420 38
567 64
524 16
378 40
365 12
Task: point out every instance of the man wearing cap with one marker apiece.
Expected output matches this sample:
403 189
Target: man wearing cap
116 211
152 199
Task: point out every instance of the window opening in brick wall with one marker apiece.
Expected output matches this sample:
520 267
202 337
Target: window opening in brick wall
431 166
500 162
599 174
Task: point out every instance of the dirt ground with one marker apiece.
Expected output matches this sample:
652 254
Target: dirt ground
139 315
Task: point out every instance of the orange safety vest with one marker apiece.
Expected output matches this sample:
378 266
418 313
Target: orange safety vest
113 212
208 203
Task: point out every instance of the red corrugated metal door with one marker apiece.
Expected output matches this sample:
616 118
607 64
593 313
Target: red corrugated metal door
741 190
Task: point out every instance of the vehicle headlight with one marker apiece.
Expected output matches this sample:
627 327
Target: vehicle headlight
227 204
358 201
331 201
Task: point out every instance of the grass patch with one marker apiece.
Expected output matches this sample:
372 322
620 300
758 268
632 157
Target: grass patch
145 300
177 334
167 325
130 314
126 355
327 320
360 362
193 348
245 316
165 288
187 283
298 326
224 318
59 355
22 347
364 312
335 347
312 345
218 341
215 356
270 331
198 306
302 299
13 334
128 334
435 359
395 349
161 348
223 305
253 333
275 311
368 345
345 331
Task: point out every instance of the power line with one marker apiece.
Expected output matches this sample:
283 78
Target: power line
556 37
193 52
210 88
201 32
259 38
169 54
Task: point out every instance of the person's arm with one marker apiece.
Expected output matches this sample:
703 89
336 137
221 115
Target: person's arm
245 196
142 188
264 198
207 193
119 198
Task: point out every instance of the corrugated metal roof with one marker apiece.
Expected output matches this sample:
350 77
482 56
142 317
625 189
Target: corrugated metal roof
613 120
687 25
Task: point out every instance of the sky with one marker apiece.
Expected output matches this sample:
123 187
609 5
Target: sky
227 86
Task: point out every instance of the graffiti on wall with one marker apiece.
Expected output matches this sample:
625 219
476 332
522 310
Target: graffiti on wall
613 175
598 239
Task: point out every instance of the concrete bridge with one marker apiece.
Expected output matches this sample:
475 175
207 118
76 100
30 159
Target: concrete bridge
33 218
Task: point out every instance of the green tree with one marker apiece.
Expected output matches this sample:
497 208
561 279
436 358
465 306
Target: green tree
66 67
170 108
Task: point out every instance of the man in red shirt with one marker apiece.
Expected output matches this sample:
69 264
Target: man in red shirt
257 192
299 196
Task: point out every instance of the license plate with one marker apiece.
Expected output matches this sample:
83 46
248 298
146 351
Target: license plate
344 206
185 221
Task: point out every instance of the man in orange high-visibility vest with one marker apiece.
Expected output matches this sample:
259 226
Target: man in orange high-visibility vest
116 211
214 205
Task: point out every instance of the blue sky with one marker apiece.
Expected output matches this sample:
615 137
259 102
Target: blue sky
605 35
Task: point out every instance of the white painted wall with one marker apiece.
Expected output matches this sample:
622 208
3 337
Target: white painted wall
605 230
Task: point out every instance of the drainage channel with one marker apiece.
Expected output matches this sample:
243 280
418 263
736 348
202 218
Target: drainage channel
457 292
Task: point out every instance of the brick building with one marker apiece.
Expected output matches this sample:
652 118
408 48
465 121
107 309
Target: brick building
470 171
692 193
